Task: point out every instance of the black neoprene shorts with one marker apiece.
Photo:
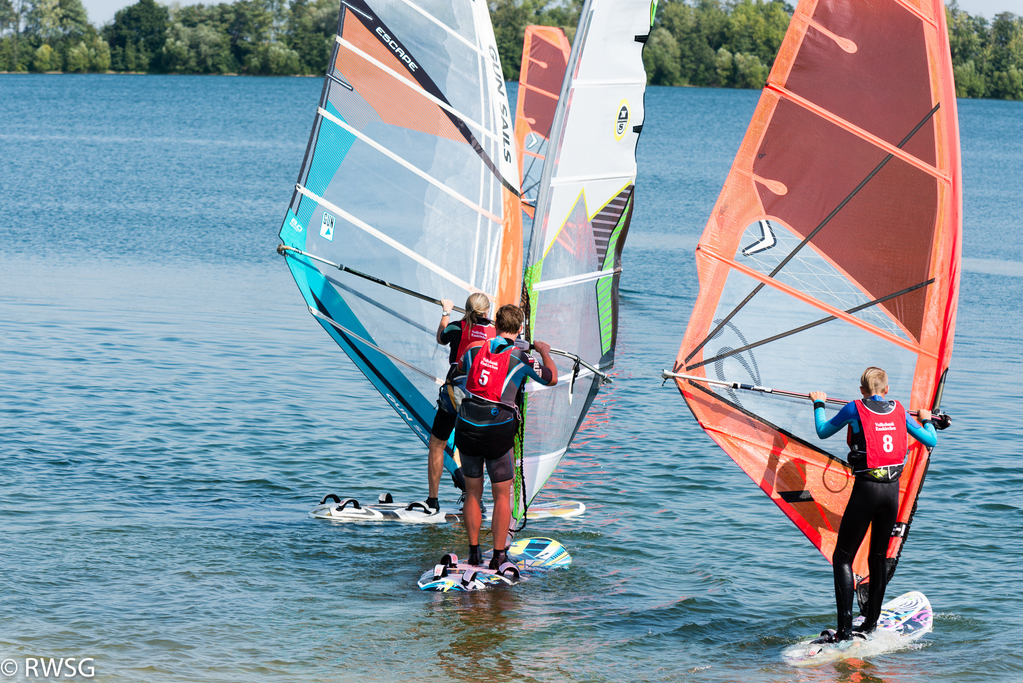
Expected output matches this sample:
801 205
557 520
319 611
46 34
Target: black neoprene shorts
500 468
443 424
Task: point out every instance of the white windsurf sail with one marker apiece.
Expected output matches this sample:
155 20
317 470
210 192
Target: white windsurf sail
582 216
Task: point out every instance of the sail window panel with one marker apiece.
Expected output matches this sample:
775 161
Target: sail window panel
764 245
551 422
582 207
591 147
883 86
532 167
454 165
829 357
567 318
573 250
451 64
399 325
456 16
350 106
882 237
404 207
611 51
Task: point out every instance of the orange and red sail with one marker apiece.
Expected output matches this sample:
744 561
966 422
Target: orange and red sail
545 52
834 245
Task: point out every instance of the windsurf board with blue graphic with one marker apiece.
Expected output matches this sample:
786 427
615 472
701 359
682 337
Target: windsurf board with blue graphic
527 558
903 621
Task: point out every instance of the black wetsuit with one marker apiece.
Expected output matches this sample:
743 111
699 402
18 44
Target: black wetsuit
871 502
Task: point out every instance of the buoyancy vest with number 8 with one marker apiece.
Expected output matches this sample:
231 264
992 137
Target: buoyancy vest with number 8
885 435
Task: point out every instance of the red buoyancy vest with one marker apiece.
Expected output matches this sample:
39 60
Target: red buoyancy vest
474 335
486 376
886 436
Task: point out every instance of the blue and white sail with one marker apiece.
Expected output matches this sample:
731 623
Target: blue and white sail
407 192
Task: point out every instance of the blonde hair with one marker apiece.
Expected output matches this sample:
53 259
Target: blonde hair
874 380
477 306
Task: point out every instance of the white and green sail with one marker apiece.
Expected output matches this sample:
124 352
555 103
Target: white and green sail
580 224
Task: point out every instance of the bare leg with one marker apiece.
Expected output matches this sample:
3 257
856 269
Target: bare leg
471 509
502 512
436 465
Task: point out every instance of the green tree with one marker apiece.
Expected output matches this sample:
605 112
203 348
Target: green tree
967 35
100 55
79 58
43 21
273 59
198 49
310 31
44 58
757 29
969 81
74 21
1008 84
750 72
725 68
699 32
137 33
661 59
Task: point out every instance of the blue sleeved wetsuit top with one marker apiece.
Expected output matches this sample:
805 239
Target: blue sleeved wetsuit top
848 416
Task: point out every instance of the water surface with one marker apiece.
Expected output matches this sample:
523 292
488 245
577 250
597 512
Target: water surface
170 412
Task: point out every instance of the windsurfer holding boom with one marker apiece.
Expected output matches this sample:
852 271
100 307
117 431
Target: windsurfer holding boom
878 432
488 421
472 330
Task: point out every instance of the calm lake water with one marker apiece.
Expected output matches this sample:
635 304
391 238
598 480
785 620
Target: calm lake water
170 412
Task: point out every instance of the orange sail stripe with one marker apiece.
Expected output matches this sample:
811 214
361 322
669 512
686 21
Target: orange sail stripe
545 52
397 104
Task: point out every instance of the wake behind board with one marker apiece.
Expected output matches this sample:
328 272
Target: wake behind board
338 509
526 557
903 620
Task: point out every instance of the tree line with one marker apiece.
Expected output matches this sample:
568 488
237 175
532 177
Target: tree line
712 43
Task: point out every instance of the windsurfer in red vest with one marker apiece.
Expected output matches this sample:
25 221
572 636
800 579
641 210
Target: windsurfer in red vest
488 421
471 330
878 436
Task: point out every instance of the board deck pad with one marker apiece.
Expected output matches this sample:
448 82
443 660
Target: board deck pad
531 556
338 509
903 620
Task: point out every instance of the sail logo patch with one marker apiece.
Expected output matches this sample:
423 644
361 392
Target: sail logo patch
622 121
295 225
327 227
